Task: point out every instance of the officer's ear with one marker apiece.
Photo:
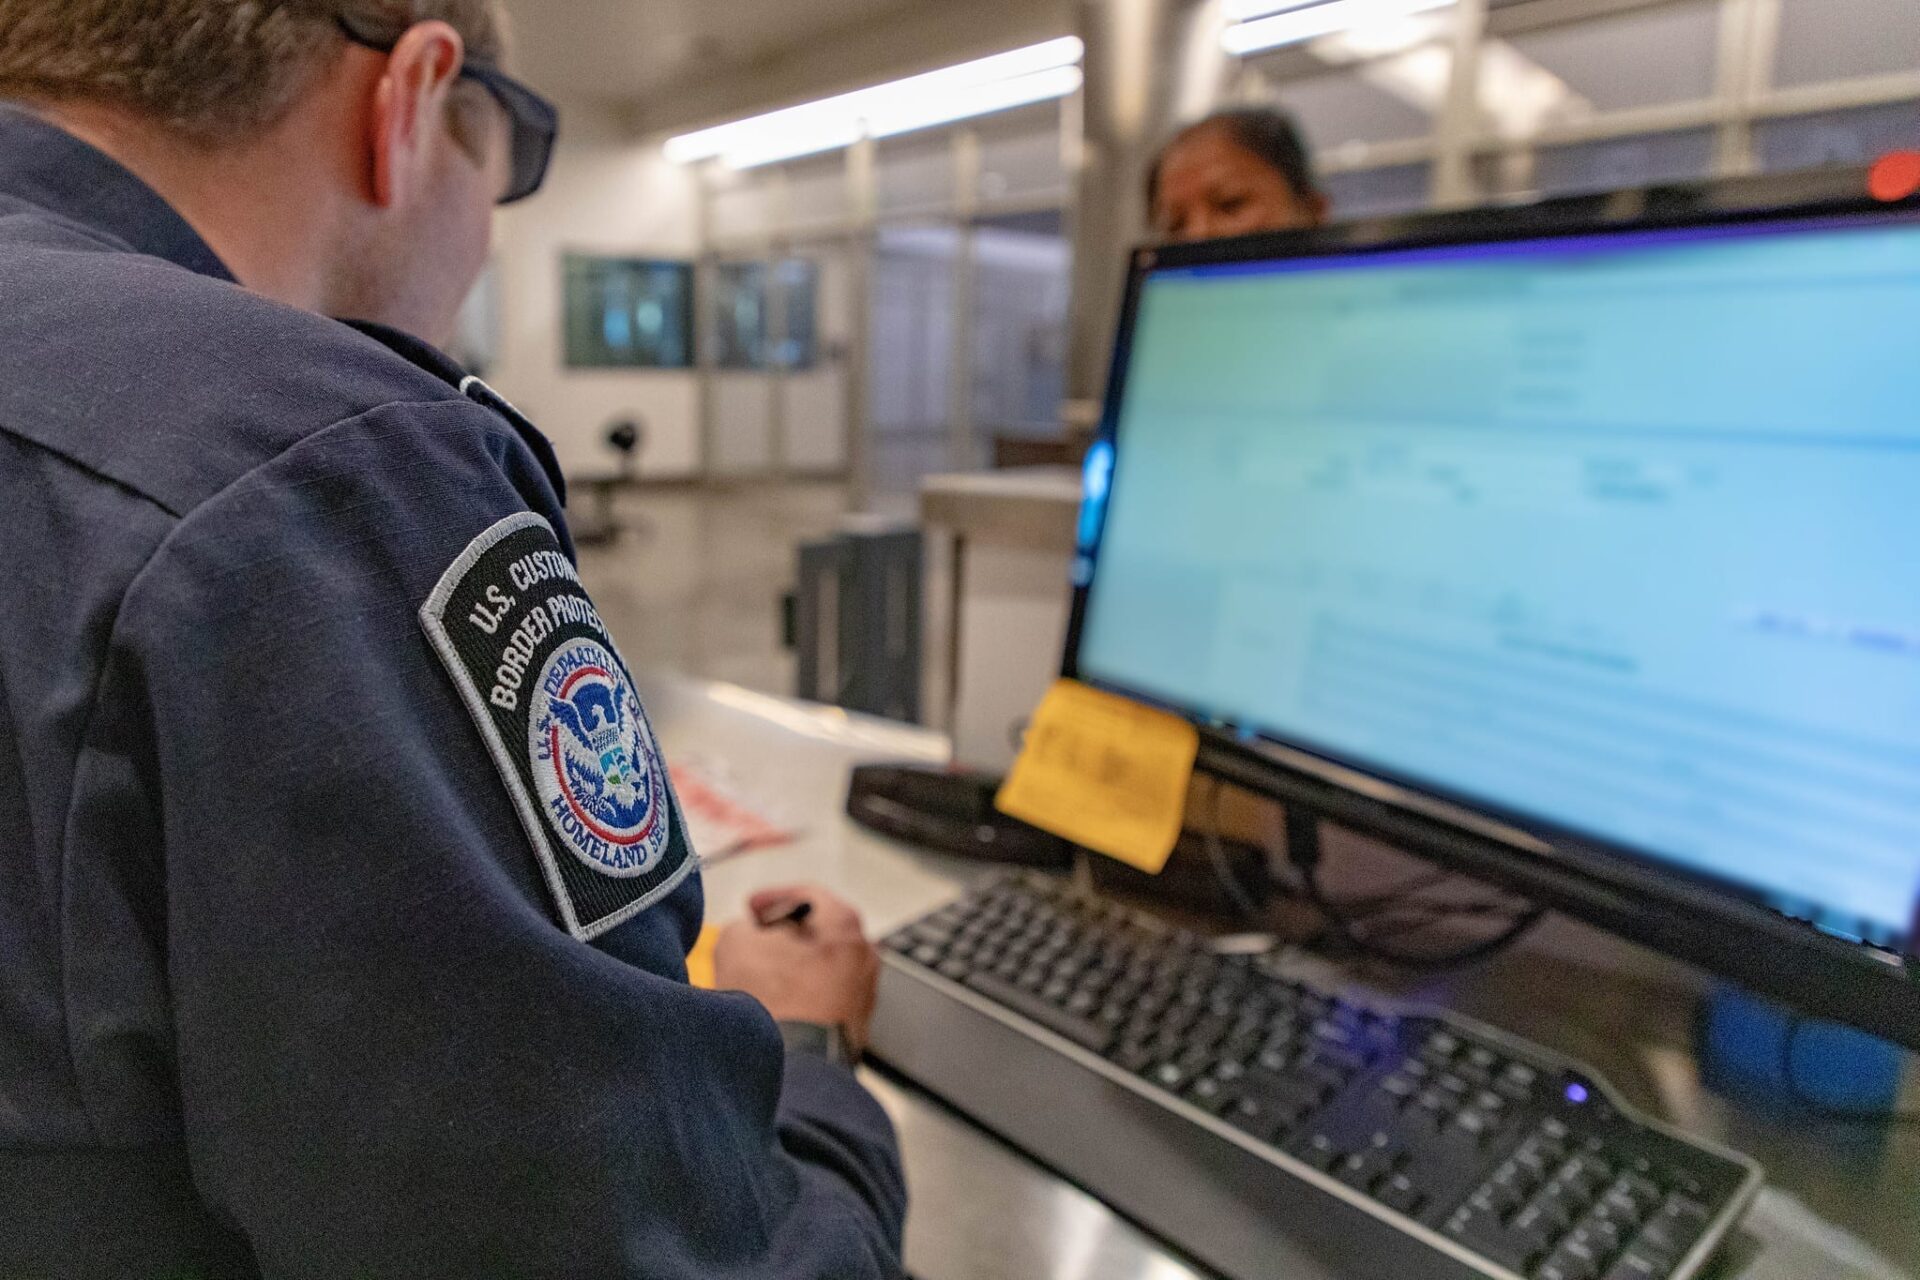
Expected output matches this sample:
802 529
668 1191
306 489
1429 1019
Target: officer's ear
409 103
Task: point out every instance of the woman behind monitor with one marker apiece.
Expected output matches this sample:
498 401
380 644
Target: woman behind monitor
1233 173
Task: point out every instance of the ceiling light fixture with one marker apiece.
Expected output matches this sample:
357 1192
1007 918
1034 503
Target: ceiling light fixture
1037 73
1243 10
1309 22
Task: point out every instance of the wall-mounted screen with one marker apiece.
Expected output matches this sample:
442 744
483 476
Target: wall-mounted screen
628 313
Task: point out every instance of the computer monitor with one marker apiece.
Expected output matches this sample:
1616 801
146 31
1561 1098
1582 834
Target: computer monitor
1576 546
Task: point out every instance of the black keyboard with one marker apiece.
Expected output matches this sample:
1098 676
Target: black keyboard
1270 1128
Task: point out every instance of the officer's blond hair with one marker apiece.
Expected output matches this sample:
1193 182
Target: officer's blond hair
215 71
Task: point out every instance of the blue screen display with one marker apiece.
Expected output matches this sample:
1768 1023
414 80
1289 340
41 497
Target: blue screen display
1619 535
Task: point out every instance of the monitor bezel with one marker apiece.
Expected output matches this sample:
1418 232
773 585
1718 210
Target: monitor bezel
1720 927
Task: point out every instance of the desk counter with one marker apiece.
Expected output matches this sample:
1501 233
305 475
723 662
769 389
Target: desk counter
981 1211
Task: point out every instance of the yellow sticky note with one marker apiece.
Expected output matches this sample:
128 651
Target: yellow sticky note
1104 772
700 959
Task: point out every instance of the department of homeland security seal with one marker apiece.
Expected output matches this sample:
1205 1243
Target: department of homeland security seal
532 660
597 774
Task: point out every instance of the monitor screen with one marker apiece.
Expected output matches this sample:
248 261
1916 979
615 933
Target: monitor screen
1615 537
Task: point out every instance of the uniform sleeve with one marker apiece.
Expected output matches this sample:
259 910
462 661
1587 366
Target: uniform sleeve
397 1056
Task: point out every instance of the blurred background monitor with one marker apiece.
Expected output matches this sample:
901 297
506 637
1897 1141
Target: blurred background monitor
628 313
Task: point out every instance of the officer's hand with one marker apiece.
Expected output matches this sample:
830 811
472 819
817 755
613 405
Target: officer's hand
821 969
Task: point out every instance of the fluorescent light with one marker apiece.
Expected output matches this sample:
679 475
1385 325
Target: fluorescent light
1296 25
1041 86
1015 78
1241 10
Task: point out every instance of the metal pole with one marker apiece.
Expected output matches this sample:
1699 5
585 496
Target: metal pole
706 279
863 202
963 455
1459 124
1146 62
1749 41
776 323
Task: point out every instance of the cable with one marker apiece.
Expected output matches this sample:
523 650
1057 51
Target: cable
1341 925
1789 1075
1350 921
1245 903
1364 906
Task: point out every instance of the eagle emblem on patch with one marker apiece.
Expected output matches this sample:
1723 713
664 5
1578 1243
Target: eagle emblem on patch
546 687
600 778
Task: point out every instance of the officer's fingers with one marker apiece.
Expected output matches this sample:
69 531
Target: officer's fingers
732 938
828 914
779 900
833 916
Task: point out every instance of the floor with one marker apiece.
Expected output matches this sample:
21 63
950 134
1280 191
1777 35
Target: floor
694 583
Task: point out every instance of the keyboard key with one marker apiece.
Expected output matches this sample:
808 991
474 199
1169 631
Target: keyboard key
1321 1152
1563 1265
1209 1095
1170 1075
1483 1234
1580 1248
1364 1168
1345 1061
1195 1059
1330 1031
1685 1210
1324 1074
1585 1177
1603 1234
1540 1224
1254 1116
1635 1265
1501 1202
1534 1163
1516 1178
1672 1231
1082 1031
1282 1090
1399 1193
1475 1125
1664 1235
1399 1087
1632 1198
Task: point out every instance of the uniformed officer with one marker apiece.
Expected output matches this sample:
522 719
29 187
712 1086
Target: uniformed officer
343 893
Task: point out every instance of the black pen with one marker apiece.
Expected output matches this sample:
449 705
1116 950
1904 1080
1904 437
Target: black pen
796 914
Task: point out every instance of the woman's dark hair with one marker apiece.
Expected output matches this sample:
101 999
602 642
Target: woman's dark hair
1267 132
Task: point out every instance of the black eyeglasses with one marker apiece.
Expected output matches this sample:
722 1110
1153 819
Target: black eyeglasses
533 121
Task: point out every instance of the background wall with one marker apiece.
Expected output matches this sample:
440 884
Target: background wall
608 193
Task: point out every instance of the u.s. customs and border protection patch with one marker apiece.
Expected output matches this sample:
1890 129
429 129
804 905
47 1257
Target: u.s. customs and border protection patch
538 671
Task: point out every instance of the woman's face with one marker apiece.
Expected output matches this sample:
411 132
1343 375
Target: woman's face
1212 186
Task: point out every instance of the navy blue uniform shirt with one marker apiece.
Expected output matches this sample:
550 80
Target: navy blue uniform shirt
343 897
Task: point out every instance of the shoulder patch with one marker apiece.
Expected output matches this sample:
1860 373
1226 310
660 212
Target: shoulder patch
557 708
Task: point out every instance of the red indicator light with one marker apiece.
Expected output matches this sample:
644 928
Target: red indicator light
1895 176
